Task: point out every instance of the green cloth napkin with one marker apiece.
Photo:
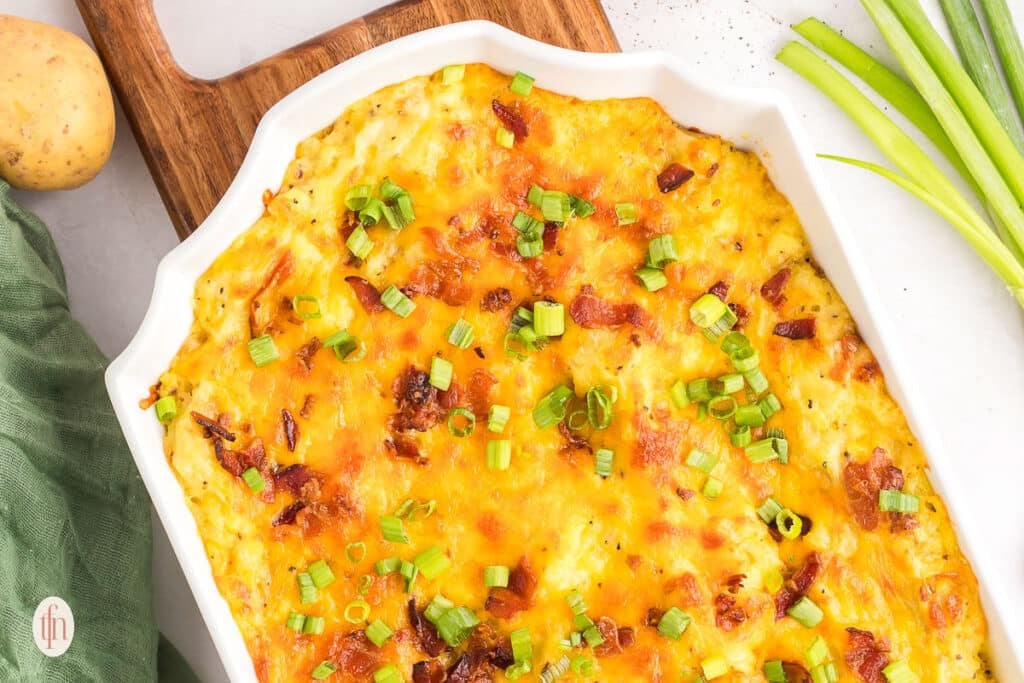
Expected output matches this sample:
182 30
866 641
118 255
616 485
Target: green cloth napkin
74 516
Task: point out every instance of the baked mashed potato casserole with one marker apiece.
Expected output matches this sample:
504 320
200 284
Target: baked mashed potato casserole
509 385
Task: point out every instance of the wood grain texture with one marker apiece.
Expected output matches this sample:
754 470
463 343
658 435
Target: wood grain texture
194 132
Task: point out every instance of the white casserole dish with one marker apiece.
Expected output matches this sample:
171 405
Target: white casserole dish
759 119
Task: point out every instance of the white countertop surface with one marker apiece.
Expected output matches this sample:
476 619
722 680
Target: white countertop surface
961 332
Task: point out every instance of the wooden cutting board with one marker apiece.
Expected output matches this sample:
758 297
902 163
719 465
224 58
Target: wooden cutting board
194 132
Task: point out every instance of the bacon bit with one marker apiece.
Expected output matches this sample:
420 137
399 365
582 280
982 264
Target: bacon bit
712 170
685 494
711 539
484 654
654 447
867 372
236 462
627 636
735 582
287 515
796 673
591 312
804 328
153 397
306 352
945 606
653 616
719 289
574 441
449 399
496 300
428 671
612 644
267 197
293 477
478 392
797 587
265 302
428 641
291 430
417 401
354 654
211 427
404 447
490 526
444 280
505 603
634 561
847 347
867 656
367 294
686 584
673 176
727 615
863 481
742 315
511 119
771 290
307 406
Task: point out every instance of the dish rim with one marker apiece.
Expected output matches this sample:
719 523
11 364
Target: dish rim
418 54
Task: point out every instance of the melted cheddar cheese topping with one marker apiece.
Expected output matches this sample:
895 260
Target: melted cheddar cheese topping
339 444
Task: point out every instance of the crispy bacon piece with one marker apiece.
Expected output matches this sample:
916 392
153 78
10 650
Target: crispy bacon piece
237 462
864 480
735 582
591 312
771 290
404 447
574 441
287 515
450 399
505 603
742 315
798 585
719 289
478 391
266 301
152 397
804 328
306 352
867 372
673 176
293 477
495 300
428 671
212 426
728 615
444 279
511 119
427 639
615 639
417 401
307 406
367 294
291 430
484 653
867 656
354 655
796 673
653 616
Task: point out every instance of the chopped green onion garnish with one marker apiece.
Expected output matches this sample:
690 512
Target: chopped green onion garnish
576 602
673 623
302 310
698 391
890 500
550 410
357 196
496 575
769 405
399 303
552 671
166 409
404 205
522 648
505 138
321 574
749 416
355 552
262 350
359 243
455 625
517 671
387 566
806 612
702 411
313 626
254 480
372 212
662 250
782 448
344 345
441 373
432 562
740 436
459 334
761 451
387 674
499 454
712 488
356 611
365 582
733 342
295 621
651 278
678 394
706 310
581 666
452 73
700 460
527 224
769 510
745 359
817 653
713 667
468 422
378 632
438 606
603 459
626 212
535 195
555 206
409 572
307 590
789 523
529 248
599 407
720 326
581 207
392 529
756 380
498 417
722 407
549 319
581 622
899 672
593 636
323 670
727 384
774 672
389 190
521 84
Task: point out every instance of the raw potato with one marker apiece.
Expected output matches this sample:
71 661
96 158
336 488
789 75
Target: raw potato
56 111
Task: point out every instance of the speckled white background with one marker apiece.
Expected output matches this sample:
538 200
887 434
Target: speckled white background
960 330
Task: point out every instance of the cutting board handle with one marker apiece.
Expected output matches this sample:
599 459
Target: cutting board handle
194 132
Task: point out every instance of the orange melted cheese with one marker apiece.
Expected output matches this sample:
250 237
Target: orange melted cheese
644 538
